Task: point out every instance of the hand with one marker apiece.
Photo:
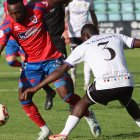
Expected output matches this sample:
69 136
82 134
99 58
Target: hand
29 92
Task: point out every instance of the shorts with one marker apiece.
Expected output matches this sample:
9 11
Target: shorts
74 42
59 43
12 48
34 73
123 94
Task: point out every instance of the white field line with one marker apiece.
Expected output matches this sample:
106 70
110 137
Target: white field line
8 90
15 90
9 73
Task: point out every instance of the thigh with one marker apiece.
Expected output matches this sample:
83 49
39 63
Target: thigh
127 94
50 66
31 75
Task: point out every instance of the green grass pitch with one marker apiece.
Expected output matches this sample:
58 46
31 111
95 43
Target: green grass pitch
116 124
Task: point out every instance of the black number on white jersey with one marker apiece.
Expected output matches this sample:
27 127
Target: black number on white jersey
111 51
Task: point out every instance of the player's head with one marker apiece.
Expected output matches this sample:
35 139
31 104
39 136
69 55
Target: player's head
88 30
16 10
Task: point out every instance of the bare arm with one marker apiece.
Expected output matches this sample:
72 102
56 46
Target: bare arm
136 43
94 18
58 73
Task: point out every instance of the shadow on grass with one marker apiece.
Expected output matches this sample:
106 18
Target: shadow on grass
133 135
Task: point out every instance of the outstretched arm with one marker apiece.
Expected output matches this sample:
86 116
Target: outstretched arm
137 43
58 73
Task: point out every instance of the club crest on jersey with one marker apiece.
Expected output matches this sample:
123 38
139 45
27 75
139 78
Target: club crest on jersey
17 28
33 19
1 33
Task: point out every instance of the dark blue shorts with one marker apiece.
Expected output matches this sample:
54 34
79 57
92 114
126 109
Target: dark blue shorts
34 73
12 48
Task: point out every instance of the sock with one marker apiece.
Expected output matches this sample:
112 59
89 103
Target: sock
138 122
71 122
32 112
45 129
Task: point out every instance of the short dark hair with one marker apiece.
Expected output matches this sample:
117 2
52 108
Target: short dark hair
13 1
90 28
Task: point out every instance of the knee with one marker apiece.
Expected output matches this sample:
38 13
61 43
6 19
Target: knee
11 63
67 97
24 102
71 98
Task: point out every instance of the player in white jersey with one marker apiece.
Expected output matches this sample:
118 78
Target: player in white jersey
105 56
77 16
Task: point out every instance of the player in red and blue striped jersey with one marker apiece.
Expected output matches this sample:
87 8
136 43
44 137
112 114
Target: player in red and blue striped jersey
13 50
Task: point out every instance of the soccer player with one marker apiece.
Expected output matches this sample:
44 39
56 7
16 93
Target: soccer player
13 50
25 24
77 13
105 56
54 23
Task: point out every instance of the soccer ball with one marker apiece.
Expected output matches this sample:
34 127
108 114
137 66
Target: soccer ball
3 114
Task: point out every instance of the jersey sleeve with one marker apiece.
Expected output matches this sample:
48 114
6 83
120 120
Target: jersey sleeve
77 56
5 32
42 6
128 41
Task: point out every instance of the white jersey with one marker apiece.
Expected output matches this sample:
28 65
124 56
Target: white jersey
105 56
77 12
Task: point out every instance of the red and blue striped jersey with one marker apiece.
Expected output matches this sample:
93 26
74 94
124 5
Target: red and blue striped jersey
31 34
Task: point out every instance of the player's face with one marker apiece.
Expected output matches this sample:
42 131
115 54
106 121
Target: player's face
17 11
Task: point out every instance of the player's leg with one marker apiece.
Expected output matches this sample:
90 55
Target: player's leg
74 118
31 76
59 43
22 56
87 73
130 105
11 51
50 94
71 98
